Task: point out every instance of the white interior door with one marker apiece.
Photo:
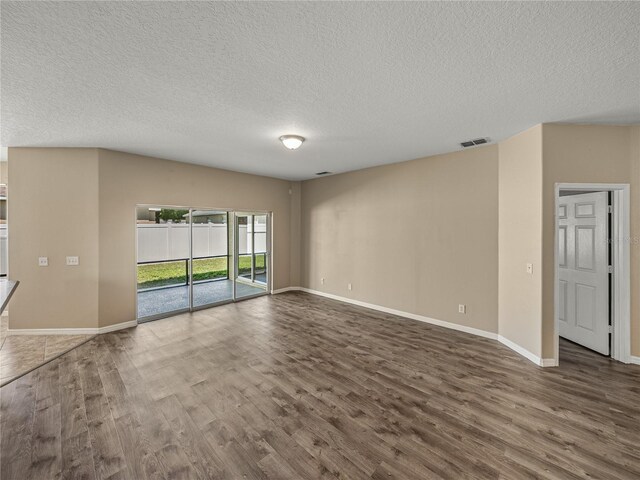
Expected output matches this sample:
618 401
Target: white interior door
584 270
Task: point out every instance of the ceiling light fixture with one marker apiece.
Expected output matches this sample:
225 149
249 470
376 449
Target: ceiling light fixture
292 142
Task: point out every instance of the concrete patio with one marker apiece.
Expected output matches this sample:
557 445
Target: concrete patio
164 300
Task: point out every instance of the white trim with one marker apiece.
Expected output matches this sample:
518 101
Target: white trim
621 291
400 313
542 362
634 360
284 290
118 326
71 331
549 362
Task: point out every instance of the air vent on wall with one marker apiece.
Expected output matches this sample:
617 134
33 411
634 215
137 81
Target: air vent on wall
323 173
477 141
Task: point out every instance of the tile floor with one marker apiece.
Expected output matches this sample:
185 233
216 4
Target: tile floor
22 353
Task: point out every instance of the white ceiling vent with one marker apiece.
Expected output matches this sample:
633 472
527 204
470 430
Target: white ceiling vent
477 141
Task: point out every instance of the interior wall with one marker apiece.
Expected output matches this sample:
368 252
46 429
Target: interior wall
127 180
418 236
4 172
295 233
54 213
587 154
82 202
520 239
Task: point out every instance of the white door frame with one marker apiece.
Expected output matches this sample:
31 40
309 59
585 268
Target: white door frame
621 261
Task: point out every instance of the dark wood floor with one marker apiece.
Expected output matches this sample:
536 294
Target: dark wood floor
296 386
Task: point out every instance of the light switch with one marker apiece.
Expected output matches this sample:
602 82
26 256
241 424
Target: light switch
462 308
73 261
43 261
530 268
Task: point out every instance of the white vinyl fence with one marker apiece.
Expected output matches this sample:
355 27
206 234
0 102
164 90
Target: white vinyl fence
170 241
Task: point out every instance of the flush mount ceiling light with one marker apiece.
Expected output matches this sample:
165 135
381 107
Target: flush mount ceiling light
292 142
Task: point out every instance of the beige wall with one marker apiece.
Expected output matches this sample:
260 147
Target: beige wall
520 239
418 236
587 154
4 172
127 180
93 194
295 233
53 211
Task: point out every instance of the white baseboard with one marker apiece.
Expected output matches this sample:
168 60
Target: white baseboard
118 326
543 362
400 313
285 289
634 360
71 331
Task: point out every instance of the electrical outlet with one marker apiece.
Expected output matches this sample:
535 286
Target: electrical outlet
322 280
43 261
349 286
462 308
73 261
530 268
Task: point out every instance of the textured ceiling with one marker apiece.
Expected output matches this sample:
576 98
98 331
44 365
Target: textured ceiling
217 83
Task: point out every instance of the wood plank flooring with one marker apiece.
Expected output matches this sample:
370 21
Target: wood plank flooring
295 386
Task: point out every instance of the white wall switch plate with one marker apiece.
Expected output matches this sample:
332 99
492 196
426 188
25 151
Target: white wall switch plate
43 261
462 308
349 286
73 261
530 268
322 280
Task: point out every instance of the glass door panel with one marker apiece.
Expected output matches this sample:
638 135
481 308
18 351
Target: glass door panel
189 259
163 266
251 234
260 248
211 258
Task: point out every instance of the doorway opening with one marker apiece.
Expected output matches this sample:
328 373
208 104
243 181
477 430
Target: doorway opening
592 268
194 258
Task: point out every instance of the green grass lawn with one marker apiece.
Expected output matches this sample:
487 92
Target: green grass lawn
174 273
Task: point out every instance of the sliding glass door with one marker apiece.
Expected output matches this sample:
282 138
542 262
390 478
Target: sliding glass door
252 233
211 259
191 258
164 251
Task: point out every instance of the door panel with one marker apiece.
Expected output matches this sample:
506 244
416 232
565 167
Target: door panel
583 287
562 246
210 237
252 261
585 248
562 313
163 267
586 306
